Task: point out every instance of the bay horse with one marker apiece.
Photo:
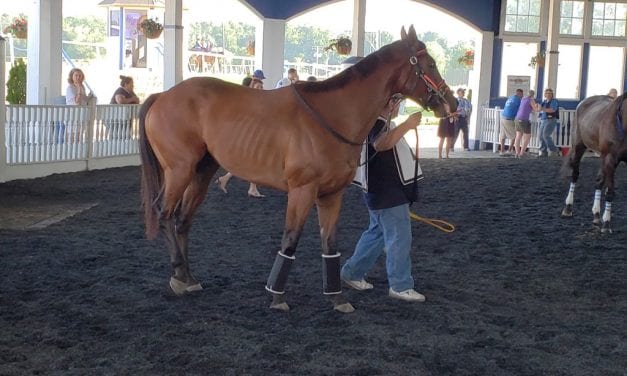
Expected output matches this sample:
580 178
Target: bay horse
304 139
600 125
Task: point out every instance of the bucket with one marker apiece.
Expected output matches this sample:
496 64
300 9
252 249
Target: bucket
565 150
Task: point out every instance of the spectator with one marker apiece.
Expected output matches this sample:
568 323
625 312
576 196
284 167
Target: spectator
292 77
523 124
613 93
464 109
508 129
125 94
312 79
549 113
76 94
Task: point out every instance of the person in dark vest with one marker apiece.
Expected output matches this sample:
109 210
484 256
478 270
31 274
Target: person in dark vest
388 206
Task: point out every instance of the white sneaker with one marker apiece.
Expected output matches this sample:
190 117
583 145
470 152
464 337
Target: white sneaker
358 285
410 295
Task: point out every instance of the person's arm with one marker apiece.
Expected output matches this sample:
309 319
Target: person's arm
387 140
121 99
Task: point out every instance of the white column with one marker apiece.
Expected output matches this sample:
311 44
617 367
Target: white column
359 28
3 112
44 52
173 43
480 79
269 50
552 54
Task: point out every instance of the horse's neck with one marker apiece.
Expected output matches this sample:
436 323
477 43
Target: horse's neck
355 107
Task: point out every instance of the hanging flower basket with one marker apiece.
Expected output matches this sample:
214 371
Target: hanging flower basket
467 59
151 28
538 60
341 45
18 28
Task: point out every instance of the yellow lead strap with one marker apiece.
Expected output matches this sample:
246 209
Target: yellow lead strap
437 223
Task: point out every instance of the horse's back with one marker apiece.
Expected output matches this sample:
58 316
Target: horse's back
591 115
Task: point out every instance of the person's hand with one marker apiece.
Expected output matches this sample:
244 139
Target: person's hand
414 120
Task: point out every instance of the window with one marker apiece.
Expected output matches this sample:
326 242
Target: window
605 70
516 57
522 16
571 17
609 19
568 71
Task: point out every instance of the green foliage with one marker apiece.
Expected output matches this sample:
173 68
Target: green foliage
84 29
230 36
16 85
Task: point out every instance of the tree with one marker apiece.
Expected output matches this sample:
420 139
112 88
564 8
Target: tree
16 84
83 29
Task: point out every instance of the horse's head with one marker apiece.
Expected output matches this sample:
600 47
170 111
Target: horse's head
425 86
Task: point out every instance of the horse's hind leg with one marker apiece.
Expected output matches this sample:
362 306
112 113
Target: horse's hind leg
184 190
596 204
194 195
328 214
609 168
574 162
299 203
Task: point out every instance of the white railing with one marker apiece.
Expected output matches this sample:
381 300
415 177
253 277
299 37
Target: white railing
47 139
489 126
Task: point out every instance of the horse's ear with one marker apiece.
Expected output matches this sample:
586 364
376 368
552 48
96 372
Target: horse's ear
403 33
412 32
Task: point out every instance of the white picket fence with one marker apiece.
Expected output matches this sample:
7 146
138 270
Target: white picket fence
42 140
489 126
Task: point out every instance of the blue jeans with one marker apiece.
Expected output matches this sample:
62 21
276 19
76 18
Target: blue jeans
389 229
547 127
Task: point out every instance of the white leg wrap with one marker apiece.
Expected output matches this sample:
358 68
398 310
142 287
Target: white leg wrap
607 214
571 194
596 206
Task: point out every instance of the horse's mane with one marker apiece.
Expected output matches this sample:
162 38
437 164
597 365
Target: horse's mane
361 69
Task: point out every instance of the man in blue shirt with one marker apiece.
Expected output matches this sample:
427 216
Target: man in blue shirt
549 113
388 206
508 128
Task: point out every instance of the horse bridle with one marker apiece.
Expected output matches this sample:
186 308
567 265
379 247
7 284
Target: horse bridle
433 89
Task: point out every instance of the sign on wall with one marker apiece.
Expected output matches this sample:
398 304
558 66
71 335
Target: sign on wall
518 82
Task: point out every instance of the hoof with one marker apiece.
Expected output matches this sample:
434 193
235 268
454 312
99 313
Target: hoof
344 308
596 220
281 307
606 229
278 303
181 288
568 211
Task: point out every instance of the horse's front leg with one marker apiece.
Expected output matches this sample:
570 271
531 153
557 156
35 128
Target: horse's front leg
328 214
609 168
574 161
299 203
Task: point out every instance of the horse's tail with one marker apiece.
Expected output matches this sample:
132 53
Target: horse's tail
152 173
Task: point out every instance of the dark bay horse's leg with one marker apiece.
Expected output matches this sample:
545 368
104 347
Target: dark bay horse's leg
192 198
609 168
184 190
574 162
596 204
299 203
328 214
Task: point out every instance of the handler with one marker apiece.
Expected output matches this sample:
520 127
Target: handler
388 206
